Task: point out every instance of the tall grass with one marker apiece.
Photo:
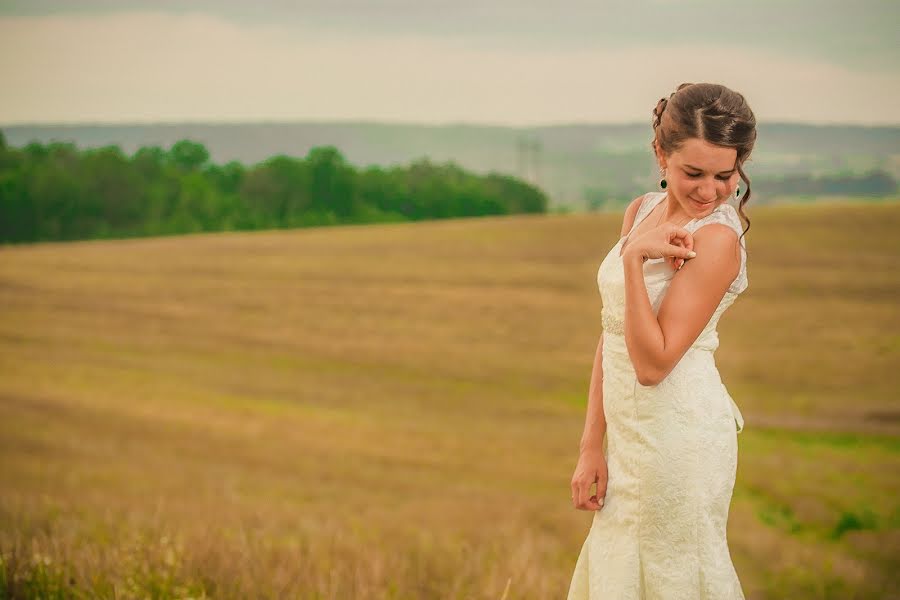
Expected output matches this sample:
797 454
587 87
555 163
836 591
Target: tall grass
393 411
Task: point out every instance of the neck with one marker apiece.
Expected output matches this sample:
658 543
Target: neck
673 212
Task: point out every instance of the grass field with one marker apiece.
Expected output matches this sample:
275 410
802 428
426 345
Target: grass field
394 411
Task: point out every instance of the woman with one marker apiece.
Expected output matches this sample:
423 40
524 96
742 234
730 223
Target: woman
660 437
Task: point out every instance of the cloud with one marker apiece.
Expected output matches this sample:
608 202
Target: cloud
139 66
858 34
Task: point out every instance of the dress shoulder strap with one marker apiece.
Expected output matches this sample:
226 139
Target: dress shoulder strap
649 202
725 214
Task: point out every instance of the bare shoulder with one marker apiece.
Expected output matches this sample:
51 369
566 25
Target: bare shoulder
630 213
718 244
718 234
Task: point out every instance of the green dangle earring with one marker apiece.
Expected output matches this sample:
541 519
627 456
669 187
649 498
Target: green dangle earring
662 180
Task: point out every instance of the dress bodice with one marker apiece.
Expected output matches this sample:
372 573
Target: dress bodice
658 274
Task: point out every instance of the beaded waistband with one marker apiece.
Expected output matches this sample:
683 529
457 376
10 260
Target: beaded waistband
612 324
615 326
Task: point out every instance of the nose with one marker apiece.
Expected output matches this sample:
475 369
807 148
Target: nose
707 192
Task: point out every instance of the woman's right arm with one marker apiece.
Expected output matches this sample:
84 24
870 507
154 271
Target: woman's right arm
591 466
595 421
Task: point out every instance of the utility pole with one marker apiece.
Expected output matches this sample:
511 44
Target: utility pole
528 158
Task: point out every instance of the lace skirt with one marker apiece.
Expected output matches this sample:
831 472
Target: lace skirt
671 452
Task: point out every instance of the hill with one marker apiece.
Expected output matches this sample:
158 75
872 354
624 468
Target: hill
579 165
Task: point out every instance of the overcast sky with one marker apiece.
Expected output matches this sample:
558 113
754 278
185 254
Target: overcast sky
507 62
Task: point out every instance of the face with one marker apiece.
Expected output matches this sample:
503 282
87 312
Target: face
700 176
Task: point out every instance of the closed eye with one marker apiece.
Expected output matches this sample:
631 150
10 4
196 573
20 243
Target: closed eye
726 178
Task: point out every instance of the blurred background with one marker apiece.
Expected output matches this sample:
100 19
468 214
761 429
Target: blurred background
298 299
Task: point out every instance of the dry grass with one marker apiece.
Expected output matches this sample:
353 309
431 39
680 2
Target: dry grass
393 411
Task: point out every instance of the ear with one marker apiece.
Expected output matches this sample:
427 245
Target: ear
660 156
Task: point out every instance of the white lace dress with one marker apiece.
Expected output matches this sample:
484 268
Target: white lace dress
671 450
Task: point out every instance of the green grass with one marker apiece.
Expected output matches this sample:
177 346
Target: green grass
393 411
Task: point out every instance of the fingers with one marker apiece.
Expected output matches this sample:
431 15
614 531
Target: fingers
679 246
687 254
580 491
681 252
676 242
596 501
675 262
683 236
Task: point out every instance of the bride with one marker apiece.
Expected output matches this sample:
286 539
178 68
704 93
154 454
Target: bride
660 434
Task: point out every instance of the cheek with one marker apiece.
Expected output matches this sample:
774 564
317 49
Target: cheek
685 183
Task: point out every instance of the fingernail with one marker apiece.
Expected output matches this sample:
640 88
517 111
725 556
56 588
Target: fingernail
691 254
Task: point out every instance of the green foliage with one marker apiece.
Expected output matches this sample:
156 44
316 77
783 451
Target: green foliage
188 155
56 192
40 577
851 521
779 516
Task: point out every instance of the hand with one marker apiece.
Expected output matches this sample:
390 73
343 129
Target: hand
591 469
676 263
666 241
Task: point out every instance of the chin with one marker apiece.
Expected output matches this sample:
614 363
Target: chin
697 207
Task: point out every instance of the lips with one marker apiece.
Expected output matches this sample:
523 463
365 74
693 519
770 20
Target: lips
702 204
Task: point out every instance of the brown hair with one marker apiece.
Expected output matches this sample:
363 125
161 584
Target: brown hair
709 112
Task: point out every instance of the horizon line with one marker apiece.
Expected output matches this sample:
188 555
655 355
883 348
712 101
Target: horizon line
364 121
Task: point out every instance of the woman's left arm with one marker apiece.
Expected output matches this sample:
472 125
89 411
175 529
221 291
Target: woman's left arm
657 342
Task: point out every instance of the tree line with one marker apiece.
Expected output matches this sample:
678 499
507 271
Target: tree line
58 192
873 183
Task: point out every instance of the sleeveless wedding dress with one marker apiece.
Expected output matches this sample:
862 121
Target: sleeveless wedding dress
671 452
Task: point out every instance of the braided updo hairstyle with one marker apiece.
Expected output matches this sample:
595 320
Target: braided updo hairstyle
709 112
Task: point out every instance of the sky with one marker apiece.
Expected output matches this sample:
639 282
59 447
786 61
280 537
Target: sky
500 62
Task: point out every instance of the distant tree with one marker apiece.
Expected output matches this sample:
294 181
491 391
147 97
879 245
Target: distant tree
35 151
113 188
188 155
227 178
332 181
383 190
18 211
149 161
198 207
517 195
277 190
877 182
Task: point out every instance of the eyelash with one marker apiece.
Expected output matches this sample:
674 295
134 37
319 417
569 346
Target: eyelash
719 178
